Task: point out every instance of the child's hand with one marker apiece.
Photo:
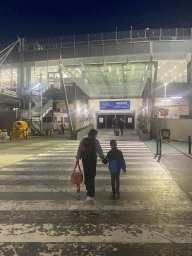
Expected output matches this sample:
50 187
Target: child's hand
104 161
124 171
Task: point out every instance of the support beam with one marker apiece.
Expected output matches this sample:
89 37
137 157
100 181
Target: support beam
63 88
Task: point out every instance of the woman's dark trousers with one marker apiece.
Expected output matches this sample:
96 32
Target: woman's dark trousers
89 166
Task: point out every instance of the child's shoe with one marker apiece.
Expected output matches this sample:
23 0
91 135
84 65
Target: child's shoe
112 195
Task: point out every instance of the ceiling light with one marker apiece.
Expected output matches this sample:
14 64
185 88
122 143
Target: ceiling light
166 100
176 97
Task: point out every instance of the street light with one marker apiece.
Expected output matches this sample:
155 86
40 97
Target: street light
146 32
165 92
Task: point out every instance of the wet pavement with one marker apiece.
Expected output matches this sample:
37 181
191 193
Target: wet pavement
41 213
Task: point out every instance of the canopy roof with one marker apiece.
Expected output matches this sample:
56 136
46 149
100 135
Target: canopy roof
114 80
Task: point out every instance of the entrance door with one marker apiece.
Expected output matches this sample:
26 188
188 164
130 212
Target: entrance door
109 120
130 121
120 116
101 121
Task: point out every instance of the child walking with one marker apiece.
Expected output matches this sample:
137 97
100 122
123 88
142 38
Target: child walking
116 163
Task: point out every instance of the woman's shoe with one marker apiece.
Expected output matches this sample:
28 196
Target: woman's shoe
89 198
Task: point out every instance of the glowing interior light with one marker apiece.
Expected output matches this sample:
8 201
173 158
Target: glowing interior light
176 97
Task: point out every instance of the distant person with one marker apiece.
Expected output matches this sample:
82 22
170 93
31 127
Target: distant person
121 125
116 163
115 124
63 128
87 151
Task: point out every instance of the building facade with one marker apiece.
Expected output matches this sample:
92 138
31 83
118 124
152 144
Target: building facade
131 72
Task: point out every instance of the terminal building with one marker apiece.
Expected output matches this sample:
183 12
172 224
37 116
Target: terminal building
120 74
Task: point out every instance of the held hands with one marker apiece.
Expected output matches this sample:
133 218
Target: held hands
104 161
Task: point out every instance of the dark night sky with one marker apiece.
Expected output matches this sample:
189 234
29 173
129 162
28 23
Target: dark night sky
33 19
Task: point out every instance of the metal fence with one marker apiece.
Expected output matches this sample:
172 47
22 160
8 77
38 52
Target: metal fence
111 37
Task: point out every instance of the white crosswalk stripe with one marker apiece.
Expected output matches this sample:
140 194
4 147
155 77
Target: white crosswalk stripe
38 189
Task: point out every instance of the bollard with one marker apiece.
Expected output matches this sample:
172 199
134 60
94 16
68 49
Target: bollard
190 145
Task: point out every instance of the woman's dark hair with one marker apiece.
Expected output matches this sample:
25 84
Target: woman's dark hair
92 133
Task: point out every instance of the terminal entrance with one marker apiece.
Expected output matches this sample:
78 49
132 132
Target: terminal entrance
105 120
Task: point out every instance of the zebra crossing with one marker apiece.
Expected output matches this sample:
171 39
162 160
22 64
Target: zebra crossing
41 213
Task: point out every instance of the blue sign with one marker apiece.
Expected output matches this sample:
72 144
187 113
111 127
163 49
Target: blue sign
123 104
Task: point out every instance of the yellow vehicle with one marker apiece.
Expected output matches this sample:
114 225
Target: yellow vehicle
20 130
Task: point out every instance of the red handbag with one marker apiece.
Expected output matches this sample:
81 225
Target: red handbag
77 177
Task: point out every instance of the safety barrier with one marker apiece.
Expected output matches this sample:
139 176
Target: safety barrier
109 37
159 147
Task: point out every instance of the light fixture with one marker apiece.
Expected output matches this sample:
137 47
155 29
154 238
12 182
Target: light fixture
176 97
166 100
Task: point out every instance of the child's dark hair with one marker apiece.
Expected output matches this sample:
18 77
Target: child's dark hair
113 143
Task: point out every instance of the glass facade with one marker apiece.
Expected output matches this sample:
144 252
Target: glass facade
171 68
8 77
174 71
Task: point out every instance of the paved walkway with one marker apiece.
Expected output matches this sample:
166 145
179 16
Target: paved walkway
41 214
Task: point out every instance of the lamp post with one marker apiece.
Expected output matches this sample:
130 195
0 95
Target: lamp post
165 93
146 33
165 112
131 33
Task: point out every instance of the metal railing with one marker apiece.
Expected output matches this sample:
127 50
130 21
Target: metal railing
159 148
109 38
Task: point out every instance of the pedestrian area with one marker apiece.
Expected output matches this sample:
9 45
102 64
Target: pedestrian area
41 213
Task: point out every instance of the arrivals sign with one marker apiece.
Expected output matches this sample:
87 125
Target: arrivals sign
121 104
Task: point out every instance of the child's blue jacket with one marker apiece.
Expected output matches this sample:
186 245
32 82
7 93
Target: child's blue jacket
116 160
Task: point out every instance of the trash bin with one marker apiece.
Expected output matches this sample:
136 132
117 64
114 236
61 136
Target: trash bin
4 134
165 134
20 130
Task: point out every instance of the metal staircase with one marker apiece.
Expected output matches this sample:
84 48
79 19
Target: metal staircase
38 108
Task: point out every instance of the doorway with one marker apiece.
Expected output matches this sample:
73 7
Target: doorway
105 120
